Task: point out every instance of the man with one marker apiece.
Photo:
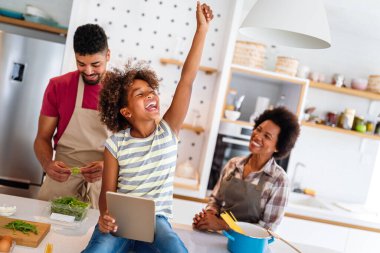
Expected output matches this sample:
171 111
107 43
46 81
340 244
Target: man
69 114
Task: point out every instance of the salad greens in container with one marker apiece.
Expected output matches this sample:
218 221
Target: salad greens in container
70 206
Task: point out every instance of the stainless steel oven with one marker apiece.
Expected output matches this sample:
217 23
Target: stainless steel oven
233 140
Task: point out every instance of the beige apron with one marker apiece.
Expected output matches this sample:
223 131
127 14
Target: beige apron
81 143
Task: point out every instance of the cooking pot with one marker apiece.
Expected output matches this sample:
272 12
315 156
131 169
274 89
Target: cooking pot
255 239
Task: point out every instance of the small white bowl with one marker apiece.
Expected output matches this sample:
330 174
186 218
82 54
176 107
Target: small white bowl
6 210
232 115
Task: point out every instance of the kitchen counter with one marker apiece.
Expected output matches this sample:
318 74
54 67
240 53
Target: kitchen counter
74 239
328 211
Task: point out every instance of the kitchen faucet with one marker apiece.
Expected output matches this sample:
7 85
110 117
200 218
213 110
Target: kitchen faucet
294 183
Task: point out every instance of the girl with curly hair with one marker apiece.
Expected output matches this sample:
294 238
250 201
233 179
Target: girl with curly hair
140 157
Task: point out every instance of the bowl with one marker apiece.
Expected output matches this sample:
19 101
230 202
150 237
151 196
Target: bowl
34 11
359 83
231 115
7 210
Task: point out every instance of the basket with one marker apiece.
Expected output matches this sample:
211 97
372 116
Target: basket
286 65
249 54
374 83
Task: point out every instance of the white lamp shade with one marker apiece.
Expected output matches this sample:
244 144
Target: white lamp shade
293 23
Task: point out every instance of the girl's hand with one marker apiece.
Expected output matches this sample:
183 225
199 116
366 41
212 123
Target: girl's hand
204 15
107 223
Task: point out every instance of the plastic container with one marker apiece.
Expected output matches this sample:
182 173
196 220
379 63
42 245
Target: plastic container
67 207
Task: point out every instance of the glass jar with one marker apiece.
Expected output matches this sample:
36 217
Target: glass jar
348 118
377 128
370 126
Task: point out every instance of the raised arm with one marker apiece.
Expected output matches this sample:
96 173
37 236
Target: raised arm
176 113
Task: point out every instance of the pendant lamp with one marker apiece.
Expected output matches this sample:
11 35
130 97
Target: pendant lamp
292 23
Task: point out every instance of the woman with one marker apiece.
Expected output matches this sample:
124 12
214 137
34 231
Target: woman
254 188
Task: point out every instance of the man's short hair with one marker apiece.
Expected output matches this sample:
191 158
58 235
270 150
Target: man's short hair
90 39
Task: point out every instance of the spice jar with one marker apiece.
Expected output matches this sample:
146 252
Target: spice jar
331 119
377 128
370 126
360 125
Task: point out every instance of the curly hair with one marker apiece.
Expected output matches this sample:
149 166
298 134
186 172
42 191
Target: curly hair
289 129
114 94
90 39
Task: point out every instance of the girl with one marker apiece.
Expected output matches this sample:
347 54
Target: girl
140 157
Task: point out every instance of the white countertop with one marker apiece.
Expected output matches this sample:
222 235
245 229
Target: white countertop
320 209
75 239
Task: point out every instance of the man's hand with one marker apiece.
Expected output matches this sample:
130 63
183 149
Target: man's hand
92 172
57 171
107 223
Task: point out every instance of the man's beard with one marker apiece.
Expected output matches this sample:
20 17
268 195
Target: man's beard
91 82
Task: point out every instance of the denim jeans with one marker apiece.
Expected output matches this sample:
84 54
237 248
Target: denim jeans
165 241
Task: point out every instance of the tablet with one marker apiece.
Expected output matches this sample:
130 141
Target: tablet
135 216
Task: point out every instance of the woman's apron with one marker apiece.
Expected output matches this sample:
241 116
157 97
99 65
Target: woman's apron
242 198
81 143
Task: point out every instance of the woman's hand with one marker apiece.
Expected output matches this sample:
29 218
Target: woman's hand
107 223
208 220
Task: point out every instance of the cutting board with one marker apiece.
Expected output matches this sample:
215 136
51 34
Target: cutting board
31 239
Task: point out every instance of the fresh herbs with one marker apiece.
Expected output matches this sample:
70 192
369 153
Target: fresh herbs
22 226
70 206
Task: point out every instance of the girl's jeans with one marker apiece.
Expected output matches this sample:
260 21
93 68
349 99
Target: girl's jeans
165 241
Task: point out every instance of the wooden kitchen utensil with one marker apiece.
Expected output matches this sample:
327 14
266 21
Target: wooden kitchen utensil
30 239
282 239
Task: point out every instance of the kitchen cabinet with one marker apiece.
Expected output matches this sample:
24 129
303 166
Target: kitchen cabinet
362 241
341 239
314 233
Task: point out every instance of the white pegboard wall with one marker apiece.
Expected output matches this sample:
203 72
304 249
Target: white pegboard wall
153 29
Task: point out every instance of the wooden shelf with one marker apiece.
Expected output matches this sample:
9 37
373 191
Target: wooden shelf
268 74
185 186
341 130
347 91
208 70
196 129
239 122
32 25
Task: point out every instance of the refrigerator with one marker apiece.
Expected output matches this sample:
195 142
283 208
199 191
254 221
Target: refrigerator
26 65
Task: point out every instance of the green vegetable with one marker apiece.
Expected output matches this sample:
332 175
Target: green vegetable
22 226
75 171
70 206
